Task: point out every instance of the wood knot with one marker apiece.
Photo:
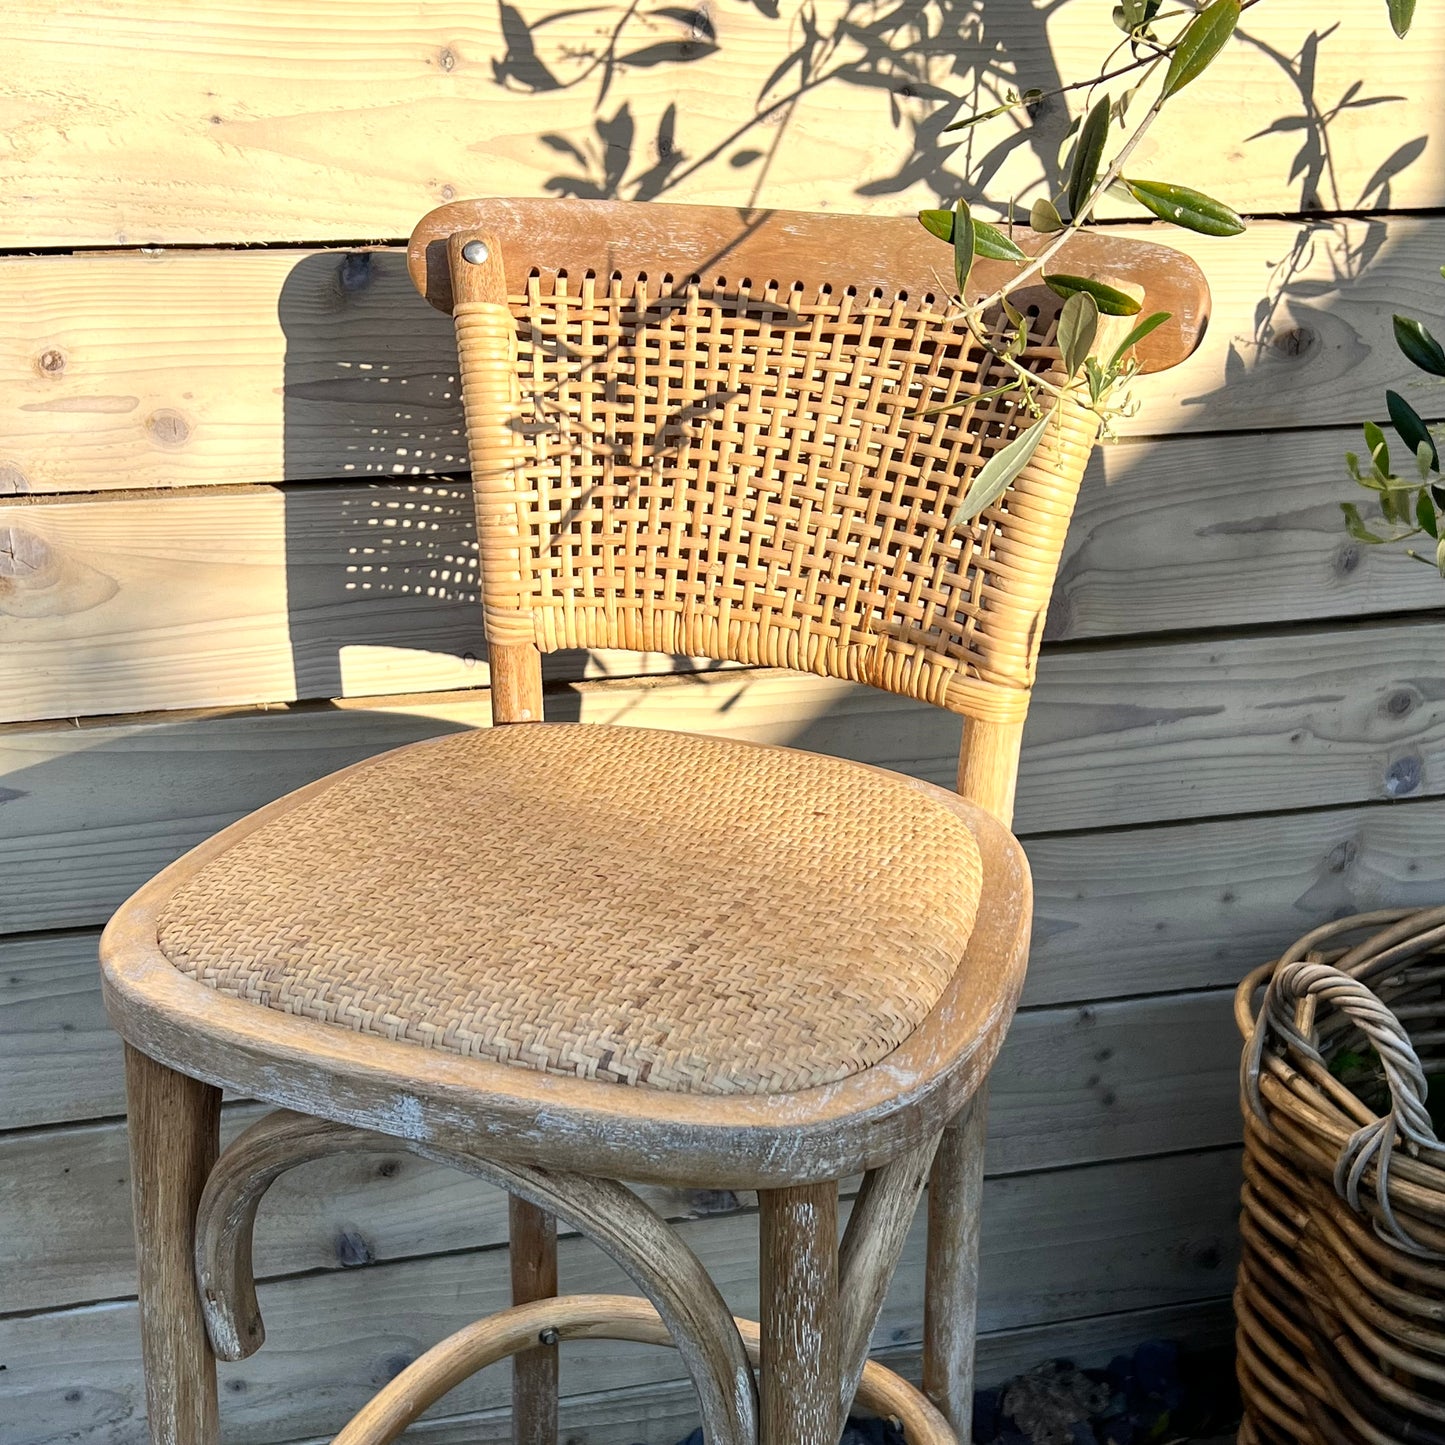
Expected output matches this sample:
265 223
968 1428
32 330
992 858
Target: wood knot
13 481
22 553
447 58
1402 776
51 362
1294 342
168 428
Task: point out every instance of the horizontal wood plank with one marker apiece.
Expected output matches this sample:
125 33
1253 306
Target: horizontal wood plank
1210 533
1116 914
228 367
279 126
1118 736
1073 1086
663 1414
227 596
200 599
1065 1244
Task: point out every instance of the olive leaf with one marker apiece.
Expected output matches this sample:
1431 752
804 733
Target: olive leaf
1109 300
1135 336
988 241
1413 431
1356 527
960 403
962 244
1078 325
1379 450
993 478
1402 12
1425 514
1420 348
1427 460
1183 206
1088 153
982 115
1044 216
1206 35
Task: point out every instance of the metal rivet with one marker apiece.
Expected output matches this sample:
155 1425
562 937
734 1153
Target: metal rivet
475 252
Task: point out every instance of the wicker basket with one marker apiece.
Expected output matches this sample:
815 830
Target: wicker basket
1341 1294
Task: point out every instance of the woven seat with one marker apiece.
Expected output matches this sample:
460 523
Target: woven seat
651 908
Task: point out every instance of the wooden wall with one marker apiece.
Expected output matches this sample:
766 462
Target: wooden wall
235 553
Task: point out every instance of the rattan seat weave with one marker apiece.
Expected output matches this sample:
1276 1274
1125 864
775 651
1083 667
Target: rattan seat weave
687 913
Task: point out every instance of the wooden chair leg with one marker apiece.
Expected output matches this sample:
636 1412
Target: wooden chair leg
950 1304
534 1277
799 1363
174 1128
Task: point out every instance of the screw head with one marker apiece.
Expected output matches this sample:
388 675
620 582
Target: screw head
549 1336
476 252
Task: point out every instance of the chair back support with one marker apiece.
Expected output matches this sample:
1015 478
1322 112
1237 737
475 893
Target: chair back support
698 431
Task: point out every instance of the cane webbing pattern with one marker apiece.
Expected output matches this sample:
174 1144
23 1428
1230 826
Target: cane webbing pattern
651 908
751 473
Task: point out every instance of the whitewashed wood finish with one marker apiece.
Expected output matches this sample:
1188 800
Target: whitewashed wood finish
606 1213
1174 907
174 1126
1136 1235
119 604
663 1414
868 1254
1117 736
1210 533
221 367
1105 1080
322 138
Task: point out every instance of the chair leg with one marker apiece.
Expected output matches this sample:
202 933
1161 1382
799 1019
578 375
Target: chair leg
950 1305
799 1366
534 1277
174 1129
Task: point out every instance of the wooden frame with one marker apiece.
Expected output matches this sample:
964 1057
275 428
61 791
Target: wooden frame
558 1143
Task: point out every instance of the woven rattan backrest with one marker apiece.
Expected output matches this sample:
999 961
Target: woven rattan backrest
702 433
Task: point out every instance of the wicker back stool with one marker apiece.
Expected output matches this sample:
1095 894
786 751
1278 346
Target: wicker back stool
560 956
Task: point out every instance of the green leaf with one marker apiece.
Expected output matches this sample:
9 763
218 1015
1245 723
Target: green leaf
1413 431
993 478
1355 527
1148 324
1420 348
1204 38
1379 450
939 222
1440 557
1425 514
1185 207
1044 217
1088 153
994 244
982 115
962 244
1111 302
960 403
988 241
1078 324
1402 12
1098 382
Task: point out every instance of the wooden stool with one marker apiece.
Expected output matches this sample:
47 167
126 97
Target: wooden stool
559 956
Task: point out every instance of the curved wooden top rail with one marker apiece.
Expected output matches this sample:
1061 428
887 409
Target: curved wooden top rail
892 252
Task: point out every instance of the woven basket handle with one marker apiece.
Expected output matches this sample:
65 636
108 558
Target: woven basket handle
1310 982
